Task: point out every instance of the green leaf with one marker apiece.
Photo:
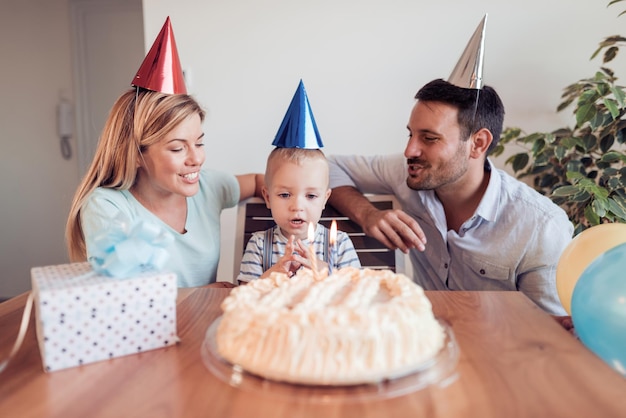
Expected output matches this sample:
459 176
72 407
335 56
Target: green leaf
590 95
591 216
619 95
610 73
589 142
519 161
612 106
547 181
585 113
573 166
582 182
560 152
610 54
614 183
497 150
612 157
580 197
509 134
539 168
599 207
598 192
620 201
603 87
565 191
571 142
574 175
598 120
617 209
532 138
538 147
565 104
606 143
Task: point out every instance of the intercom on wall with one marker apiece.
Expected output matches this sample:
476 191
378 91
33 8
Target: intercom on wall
65 126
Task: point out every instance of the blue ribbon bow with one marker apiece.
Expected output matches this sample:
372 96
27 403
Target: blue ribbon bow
122 251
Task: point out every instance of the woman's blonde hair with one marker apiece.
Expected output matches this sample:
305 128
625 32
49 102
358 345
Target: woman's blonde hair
139 118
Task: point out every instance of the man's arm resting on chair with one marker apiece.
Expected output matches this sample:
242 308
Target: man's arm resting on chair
393 227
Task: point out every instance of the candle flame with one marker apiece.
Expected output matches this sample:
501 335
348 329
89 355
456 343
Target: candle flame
333 233
311 233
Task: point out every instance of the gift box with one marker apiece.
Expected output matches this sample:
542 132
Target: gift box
83 317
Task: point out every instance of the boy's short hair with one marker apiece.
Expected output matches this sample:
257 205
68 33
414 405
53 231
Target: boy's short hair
290 155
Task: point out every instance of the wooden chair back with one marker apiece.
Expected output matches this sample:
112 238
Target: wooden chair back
253 216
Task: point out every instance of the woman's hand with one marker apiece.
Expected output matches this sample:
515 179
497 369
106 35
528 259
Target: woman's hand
250 185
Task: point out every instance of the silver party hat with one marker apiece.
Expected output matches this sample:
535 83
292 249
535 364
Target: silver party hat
468 72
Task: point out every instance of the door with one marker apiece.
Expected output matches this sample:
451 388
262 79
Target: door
108 48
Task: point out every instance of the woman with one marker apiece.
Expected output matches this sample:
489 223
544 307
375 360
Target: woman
148 166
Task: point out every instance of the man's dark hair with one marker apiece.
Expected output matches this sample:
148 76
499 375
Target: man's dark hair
477 108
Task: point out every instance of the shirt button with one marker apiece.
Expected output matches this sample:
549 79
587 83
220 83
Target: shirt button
482 271
445 265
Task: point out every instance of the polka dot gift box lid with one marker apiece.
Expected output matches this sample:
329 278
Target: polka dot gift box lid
83 317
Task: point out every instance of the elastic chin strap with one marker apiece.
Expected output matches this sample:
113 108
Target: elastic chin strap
21 333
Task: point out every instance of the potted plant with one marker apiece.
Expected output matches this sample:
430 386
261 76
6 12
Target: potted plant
582 169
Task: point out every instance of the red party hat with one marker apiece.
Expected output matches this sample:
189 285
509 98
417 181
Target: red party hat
161 70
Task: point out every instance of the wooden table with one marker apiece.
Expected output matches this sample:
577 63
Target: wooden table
515 361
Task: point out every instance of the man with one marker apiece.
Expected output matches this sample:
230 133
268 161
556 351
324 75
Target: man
465 224
468 226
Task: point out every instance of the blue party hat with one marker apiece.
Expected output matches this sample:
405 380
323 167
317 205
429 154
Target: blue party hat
298 129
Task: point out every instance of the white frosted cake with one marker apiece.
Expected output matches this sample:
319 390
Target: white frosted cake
356 326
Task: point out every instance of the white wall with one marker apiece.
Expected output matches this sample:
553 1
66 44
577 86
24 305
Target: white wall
362 61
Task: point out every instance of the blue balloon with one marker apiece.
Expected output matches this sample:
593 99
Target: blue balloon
599 307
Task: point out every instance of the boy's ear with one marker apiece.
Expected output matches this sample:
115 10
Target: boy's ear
328 192
266 197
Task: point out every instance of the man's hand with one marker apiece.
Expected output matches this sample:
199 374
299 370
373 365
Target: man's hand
566 322
395 229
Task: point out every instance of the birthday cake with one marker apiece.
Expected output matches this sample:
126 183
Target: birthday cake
355 326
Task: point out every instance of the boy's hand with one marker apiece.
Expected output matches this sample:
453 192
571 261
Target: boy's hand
303 255
290 262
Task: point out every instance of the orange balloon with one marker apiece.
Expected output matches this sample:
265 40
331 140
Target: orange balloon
580 252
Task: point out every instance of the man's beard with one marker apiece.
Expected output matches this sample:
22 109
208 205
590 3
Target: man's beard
421 182
430 178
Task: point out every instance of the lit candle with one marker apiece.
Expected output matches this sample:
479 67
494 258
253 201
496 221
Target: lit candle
312 256
333 241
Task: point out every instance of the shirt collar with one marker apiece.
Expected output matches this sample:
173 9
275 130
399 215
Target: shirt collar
490 203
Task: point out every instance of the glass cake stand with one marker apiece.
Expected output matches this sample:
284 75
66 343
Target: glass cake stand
438 371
